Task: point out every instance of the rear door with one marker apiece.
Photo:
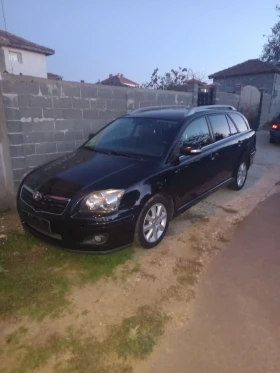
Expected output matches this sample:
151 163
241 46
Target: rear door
226 139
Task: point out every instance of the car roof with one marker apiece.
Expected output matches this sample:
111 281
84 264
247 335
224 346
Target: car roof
179 113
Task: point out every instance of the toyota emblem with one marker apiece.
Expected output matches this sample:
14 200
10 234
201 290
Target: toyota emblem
37 196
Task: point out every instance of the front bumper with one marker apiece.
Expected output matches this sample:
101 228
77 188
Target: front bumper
70 232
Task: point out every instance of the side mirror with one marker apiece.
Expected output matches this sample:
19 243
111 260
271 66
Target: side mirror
188 149
90 136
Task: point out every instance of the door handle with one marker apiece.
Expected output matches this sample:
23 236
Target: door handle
240 143
213 156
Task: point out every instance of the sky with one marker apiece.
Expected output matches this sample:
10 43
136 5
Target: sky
93 38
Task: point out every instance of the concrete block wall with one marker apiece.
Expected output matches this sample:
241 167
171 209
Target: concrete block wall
223 98
46 119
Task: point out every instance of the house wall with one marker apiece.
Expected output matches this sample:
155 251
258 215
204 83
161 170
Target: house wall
260 81
33 64
46 119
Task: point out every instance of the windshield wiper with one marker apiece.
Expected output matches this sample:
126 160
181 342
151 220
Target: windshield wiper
115 152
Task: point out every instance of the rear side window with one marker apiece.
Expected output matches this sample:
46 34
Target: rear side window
220 126
239 121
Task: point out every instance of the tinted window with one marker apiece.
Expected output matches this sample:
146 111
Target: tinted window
239 121
232 127
135 136
197 133
220 126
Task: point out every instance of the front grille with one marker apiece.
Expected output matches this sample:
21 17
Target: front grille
49 204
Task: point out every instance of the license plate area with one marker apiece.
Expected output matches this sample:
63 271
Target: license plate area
39 224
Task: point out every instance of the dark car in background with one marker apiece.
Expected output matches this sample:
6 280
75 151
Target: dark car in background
275 130
132 177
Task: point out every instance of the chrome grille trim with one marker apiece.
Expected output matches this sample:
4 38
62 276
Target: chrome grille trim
44 196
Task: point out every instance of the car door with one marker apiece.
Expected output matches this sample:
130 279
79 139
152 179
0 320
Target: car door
195 174
225 145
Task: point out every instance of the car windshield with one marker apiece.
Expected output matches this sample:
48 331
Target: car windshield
138 137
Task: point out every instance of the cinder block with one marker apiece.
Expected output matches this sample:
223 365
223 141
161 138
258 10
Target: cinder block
15 139
20 88
32 113
23 101
80 103
21 150
18 174
116 104
62 102
50 89
105 92
88 92
71 91
45 125
83 124
10 100
119 93
72 114
35 160
90 114
66 124
18 163
40 101
98 103
68 135
38 137
14 126
45 147
106 114
64 146
12 113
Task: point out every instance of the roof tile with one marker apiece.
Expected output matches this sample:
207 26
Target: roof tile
249 67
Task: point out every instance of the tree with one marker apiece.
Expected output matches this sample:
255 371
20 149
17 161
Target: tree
271 49
174 80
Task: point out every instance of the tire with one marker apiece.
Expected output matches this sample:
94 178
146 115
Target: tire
272 141
240 176
158 227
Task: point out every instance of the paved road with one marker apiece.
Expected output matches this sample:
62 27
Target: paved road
235 319
235 323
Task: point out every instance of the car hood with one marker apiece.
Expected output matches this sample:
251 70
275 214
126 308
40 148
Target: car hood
85 170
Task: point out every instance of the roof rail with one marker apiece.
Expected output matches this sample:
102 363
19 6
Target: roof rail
210 107
162 107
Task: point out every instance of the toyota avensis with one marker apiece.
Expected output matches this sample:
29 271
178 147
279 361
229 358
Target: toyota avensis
131 178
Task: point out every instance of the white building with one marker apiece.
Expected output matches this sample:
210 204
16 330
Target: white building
20 56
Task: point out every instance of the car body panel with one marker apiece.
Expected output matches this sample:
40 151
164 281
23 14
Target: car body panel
185 179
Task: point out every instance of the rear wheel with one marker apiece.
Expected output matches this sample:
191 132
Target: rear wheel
153 222
272 141
240 177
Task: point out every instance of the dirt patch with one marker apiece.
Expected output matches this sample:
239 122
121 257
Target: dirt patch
163 279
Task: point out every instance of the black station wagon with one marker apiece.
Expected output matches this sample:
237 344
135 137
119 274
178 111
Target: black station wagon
132 177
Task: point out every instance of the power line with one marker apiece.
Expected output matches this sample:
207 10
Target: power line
3 12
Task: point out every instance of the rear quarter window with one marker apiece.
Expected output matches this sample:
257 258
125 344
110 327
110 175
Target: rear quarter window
239 122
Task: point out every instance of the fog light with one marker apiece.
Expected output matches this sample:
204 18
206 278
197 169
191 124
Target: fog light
98 239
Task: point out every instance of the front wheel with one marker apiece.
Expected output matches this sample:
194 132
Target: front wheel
240 177
153 222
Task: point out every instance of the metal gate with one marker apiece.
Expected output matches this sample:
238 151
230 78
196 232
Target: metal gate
249 105
205 97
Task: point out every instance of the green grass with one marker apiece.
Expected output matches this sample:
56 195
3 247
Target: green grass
35 280
135 337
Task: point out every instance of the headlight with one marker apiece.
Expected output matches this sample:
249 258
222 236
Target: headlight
102 201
